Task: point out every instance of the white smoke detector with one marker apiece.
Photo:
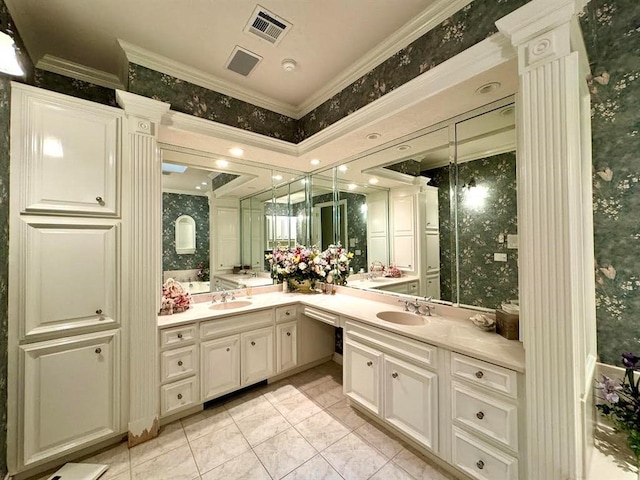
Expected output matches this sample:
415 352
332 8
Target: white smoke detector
289 65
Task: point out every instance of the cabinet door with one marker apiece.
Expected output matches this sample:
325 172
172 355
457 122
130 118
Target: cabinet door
362 375
257 355
226 228
403 215
404 248
69 153
433 286
287 348
431 210
432 254
411 401
71 393
220 367
69 276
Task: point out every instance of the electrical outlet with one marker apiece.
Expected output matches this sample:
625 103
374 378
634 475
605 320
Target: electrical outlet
499 257
501 238
358 252
512 241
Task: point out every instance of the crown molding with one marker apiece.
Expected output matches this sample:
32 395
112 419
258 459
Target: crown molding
159 63
142 106
430 18
71 69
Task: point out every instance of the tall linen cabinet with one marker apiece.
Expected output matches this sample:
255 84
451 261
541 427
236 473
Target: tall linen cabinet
67 364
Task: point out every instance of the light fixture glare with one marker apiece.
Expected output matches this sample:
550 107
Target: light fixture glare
8 56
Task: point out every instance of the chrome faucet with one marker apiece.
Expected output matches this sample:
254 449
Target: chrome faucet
223 295
418 306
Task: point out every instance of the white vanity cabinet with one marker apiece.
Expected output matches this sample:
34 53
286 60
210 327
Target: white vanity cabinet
257 355
286 338
395 378
220 366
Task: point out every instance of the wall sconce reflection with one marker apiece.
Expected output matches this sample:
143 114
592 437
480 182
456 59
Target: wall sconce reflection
474 195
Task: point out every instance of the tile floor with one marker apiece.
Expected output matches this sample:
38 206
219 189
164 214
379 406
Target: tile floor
300 428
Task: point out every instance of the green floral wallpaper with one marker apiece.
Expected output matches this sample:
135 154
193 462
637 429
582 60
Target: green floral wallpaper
74 88
222 179
194 100
197 207
410 167
612 34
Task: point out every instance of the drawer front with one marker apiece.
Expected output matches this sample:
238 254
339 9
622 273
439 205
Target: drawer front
172 337
236 324
401 347
479 460
286 314
490 376
177 363
322 316
485 414
179 395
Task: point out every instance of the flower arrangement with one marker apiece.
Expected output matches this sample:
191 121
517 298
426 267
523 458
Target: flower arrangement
622 402
203 272
175 298
309 263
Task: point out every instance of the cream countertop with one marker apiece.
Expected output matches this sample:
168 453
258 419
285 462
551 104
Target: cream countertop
246 279
448 327
380 282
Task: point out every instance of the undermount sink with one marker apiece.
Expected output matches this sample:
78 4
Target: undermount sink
402 318
230 305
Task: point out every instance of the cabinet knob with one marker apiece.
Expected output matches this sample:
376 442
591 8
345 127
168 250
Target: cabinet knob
394 374
480 464
480 415
287 313
99 311
98 350
179 363
288 334
100 200
369 363
479 374
253 344
179 335
179 396
228 349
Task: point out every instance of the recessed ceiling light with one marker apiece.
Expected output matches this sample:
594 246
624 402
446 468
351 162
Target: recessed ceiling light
198 187
488 88
343 168
352 186
277 177
222 163
236 151
315 161
403 148
373 180
508 111
373 136
289 65
204 183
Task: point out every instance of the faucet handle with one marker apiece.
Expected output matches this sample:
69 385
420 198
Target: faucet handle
406 304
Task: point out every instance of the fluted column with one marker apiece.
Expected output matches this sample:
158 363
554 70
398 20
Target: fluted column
142 258
555 227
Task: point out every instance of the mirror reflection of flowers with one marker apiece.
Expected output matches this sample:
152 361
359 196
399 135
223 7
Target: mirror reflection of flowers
309 263
175 298
203 272
621 402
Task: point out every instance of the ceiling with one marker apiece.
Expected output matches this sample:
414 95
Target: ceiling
327 37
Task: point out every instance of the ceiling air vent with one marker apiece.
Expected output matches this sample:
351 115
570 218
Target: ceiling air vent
267 25
243 61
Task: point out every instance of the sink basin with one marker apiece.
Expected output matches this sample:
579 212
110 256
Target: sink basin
402 318
230 305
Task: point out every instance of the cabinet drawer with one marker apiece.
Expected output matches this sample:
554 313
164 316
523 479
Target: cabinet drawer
485 414
178 395
486 374
481 461
172 337
177 363
402 347
236 324
286 314
322 316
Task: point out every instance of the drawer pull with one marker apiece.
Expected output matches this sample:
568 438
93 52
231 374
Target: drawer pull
287 313
100 200
179 363
253 344
99 311
480 415
179 396
369 363
228 349
480 464
98 350
180 335
479 374
288 334
394 374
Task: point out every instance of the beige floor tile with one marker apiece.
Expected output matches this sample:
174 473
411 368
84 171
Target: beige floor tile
267 423
284 453
326 394
171 437
279 391
218 447
322 430
347 415
391 472
116 457
123 476
382 440
353 458
315 469
296 408
310 379
177 464
419 467
243 467
205 422
248 404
